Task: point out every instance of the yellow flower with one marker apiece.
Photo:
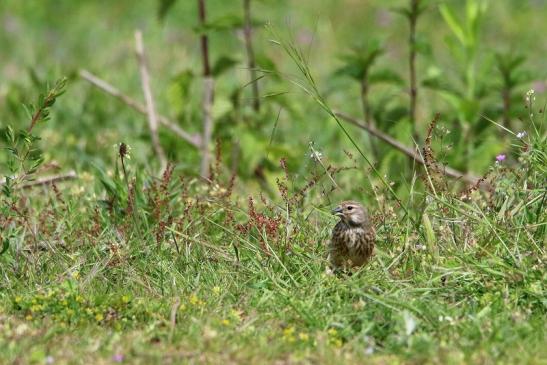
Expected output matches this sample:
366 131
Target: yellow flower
216 290
35 308
86 177
77 190
288 334
99 317
236 314
194 300
225 322
337 342
289 331
303 336
18 299
126 299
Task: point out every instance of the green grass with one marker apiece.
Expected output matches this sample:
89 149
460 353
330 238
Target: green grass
217 284
122 266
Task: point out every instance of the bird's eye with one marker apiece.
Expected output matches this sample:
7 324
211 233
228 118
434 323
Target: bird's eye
350 207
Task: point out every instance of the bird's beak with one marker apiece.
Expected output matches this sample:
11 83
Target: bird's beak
337 211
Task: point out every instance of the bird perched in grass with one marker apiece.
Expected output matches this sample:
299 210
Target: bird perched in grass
352 242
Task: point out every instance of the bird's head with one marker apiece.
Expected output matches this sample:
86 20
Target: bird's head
352 213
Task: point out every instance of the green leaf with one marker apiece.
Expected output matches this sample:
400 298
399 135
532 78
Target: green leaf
223 23
430 236
362 57
353 71
385 76
111 187
10 136
5 245
422 46
163 8
6 187
267 65
401 11
450 20
252 150
439 83
178 92
223 64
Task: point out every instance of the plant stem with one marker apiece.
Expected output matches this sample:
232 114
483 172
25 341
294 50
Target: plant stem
208 90
35 119
251 63
413 19
204 39
208 95
367 113
506 96
150 104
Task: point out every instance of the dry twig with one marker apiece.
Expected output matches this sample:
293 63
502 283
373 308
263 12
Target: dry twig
193 139
208 94
446 170
47 180
173 318
150 105
413 19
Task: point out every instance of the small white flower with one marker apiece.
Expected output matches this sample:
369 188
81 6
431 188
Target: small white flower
370 345
521 135
410 323
530 95
448 319
316 155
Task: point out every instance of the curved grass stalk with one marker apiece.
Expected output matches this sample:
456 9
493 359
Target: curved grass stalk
310 88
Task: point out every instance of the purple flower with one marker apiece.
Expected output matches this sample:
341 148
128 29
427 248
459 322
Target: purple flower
500 158
117 357
49 360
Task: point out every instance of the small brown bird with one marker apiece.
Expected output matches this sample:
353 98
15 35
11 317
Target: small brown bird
352 242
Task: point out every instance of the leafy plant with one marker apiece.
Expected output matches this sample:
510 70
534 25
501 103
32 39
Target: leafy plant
358 65
23 157
412 13
466 94
512 76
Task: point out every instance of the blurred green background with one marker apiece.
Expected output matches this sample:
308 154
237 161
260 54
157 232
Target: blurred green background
44 40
